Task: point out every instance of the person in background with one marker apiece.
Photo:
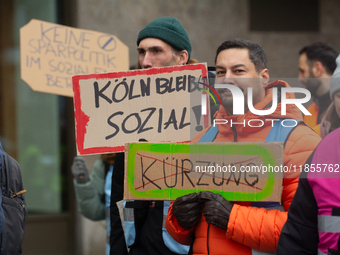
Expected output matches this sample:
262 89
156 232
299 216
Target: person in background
316 65
93 191
209 222
162 42
331 120
313 224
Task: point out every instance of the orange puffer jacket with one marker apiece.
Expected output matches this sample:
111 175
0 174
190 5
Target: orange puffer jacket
312 120
250 229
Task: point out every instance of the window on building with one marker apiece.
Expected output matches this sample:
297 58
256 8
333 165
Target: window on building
288 15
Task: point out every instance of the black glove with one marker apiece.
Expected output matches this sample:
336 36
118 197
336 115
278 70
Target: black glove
188 210
79 170
216 209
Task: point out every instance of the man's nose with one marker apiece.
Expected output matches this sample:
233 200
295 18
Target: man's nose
147 61
228 79
221 80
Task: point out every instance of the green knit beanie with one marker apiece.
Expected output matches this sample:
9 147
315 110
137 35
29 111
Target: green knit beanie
169 30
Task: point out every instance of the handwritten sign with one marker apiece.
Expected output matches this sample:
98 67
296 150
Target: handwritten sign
238 171
50 54
152 104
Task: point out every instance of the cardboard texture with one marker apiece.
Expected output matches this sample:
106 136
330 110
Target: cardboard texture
50 54
151 104
165 171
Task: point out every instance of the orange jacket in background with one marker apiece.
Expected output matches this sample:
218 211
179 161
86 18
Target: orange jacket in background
250 227
312 120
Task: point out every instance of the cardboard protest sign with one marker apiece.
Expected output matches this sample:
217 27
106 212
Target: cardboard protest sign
50 54
150 104
238 171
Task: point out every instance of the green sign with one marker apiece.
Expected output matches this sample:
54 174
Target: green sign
237 171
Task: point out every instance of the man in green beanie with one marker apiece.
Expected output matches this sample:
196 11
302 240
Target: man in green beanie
163 42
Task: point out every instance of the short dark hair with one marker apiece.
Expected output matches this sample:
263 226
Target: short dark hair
256 53
322 52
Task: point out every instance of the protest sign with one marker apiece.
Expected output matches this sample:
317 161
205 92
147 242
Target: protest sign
237 171
152 104
50 54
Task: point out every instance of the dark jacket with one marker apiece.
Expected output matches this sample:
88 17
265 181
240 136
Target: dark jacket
148 220
250 228
117 239
313 223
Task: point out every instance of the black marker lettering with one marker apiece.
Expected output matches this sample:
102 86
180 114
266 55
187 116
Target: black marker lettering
131 91
251 176
181 80
170 89
126 87
186 172
233 174
126 119
145 88
113 125
166 184
182 124
142 129
160 86
199 180
192 81
214 179
160 120
172 120
144 172
99 93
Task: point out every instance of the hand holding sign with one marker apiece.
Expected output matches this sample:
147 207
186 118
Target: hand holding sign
50 54
118 107
188 210
166 171
216 209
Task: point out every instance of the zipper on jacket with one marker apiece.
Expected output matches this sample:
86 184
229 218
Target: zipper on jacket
235 133
208 239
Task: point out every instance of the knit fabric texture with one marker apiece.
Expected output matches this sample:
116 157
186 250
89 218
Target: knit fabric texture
169 30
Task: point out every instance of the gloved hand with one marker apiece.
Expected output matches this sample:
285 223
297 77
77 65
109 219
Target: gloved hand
188 210
79 170
216 209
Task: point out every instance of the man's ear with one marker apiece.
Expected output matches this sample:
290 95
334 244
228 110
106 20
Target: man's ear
183 57
264 75
317 69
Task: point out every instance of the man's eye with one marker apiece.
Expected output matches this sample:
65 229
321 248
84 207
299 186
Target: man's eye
141 52
220 72
239 71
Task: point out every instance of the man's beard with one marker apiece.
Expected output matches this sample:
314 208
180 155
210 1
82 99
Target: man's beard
312 84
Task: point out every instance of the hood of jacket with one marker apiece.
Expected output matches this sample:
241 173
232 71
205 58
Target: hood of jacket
250 122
